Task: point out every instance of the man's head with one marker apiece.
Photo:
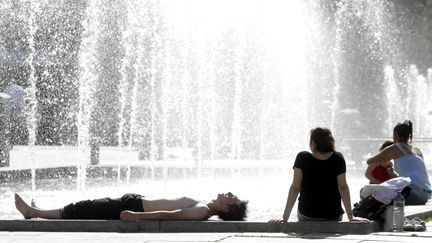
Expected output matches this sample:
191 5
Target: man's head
231 208
386 144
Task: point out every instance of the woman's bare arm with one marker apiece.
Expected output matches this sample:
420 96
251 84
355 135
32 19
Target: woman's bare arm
386 154
293 193
345 195
390 170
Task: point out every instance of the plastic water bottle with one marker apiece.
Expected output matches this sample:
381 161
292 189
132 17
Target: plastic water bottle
398 213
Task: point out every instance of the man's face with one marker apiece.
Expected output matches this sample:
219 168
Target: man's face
227 198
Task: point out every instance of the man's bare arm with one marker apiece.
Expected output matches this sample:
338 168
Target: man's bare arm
193 213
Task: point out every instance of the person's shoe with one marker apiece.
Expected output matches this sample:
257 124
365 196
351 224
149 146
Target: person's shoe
420 223
415 224
408 225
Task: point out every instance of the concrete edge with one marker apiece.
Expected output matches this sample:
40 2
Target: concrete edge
422 215
422 211
187 226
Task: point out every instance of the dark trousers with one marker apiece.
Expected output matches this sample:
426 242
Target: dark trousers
103 208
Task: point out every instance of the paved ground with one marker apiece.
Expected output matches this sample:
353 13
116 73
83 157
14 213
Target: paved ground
213 237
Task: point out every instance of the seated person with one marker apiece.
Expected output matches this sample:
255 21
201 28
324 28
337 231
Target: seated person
380 172
131 207
319 177
408 162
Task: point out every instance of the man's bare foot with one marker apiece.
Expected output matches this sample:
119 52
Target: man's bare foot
23 207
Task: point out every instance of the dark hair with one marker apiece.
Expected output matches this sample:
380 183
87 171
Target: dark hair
236 212
404 130
386 144
323 139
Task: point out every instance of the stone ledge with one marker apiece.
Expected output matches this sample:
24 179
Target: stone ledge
187 226
422 211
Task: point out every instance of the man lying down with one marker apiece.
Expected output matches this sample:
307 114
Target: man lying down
132 207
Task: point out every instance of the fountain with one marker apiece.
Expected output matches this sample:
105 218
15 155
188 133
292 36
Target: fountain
178 97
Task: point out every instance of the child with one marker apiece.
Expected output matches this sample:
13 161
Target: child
380 172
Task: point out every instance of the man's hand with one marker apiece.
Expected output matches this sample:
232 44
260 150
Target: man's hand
128 216
357 219
277 221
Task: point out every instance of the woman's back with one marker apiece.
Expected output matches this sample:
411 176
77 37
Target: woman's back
319 194
411 165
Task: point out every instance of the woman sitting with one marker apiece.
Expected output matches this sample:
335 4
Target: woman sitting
408 162
320 178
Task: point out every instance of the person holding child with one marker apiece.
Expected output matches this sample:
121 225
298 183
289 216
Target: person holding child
408 162
320 179
379 172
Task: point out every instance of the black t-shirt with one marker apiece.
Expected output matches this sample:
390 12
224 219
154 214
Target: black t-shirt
319 193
